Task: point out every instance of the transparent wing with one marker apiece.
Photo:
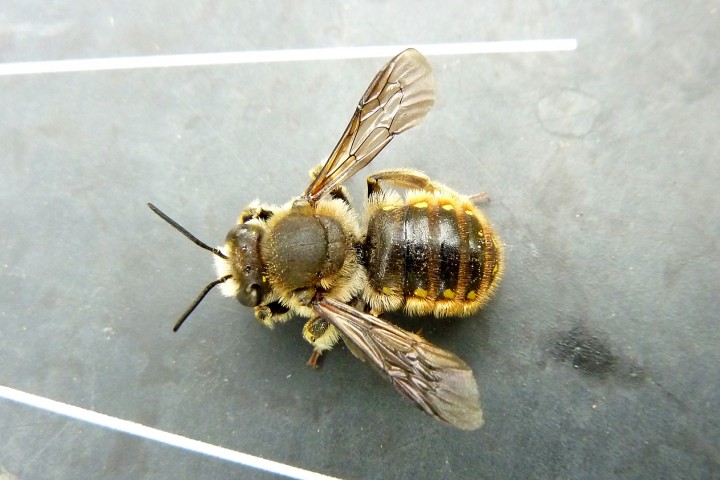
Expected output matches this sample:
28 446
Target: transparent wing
397 99
438 381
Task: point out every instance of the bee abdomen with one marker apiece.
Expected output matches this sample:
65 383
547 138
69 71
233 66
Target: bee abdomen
434 253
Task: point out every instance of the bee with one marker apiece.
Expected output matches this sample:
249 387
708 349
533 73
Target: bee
428 252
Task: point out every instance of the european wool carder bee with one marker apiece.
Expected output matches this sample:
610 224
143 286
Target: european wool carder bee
427 252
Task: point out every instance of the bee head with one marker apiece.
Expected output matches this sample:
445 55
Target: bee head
248 283
238 264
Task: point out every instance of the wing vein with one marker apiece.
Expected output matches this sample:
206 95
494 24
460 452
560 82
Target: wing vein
397 99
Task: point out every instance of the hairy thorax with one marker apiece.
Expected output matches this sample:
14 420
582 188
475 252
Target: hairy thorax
309 250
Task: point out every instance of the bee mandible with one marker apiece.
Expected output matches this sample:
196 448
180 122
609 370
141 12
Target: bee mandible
428 252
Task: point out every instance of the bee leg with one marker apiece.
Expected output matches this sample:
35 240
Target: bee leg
479 198
272 313
338 192
401 177
321 335
255 210
304 295
316 170
314 359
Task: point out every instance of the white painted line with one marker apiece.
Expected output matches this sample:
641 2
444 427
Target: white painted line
154 434
270 56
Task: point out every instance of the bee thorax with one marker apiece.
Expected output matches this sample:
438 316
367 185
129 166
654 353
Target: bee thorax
300 250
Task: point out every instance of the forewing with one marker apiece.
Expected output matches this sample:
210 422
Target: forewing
397 99
436 380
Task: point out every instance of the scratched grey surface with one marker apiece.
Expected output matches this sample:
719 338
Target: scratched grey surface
599 356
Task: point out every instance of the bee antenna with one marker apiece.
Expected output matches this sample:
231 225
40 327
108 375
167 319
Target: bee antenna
189 235
199 299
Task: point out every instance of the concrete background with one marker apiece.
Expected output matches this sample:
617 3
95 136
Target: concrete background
599 356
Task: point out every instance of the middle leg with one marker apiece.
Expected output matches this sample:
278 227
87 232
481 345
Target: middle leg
321 335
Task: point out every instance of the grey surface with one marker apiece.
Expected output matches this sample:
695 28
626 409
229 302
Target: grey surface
599 356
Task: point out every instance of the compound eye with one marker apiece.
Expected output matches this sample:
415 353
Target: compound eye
250 297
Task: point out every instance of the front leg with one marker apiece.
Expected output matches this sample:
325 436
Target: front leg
256 210
272 313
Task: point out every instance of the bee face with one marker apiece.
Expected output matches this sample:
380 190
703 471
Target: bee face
248 284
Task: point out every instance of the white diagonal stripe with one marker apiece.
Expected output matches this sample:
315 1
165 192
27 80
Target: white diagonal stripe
156 435
292 55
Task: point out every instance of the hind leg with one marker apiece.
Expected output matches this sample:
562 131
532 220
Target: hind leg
407 178
401 177
480 198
